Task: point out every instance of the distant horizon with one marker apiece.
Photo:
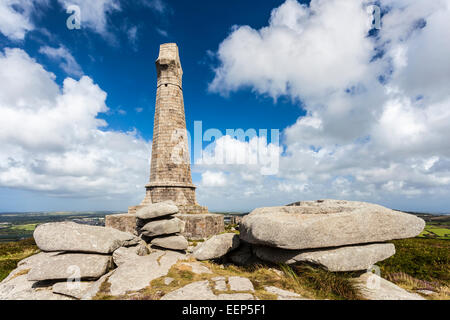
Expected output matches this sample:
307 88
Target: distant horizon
218 212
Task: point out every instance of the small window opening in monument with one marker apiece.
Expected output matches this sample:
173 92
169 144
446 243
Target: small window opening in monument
166 84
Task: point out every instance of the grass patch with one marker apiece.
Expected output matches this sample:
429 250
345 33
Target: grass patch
13 252
420 264
231 228
325 285
423 259
195 243
435 232
24 227
104 292
20 273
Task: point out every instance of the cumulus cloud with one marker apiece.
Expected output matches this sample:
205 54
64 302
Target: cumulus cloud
94 14
213 179
66 60
15 17
53 141
303 51
257 155
377 106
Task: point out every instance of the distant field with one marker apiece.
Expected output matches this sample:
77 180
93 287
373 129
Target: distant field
433 232
18 226
437 227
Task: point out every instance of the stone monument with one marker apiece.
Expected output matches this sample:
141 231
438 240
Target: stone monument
170 174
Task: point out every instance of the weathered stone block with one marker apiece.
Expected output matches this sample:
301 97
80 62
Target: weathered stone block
200 226
74 237
350 258
327 223
124 222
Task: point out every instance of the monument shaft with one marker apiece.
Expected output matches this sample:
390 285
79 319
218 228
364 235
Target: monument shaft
170 174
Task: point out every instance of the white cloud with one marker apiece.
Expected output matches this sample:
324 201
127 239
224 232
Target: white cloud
375 128
157 5
162 32
256 155
303 52
53 142
132 34
15 17
94 14
213 179
66 61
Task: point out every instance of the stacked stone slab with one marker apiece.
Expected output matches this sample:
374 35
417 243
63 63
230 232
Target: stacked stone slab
334 234
78 260
157 224
81 251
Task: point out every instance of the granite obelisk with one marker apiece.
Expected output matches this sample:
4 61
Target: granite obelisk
170 173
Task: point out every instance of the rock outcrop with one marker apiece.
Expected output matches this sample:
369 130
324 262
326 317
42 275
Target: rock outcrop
327 223
112 262
201 290
137 273
349 258
156 222
283 294
156 210
162 227
171 242
217 246
336 235
71 252
373 287
71 266
74 237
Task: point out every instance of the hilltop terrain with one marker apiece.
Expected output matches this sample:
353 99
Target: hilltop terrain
420 265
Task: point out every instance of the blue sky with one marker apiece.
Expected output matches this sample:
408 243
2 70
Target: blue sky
126 71
306 69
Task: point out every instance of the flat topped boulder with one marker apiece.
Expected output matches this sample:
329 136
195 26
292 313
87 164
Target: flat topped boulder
217 246
155 210
71 265
162 227
74 237
327 223
171 242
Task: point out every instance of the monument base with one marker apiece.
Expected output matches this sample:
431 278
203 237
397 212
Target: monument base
183 208
197 226
124 222
201 226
